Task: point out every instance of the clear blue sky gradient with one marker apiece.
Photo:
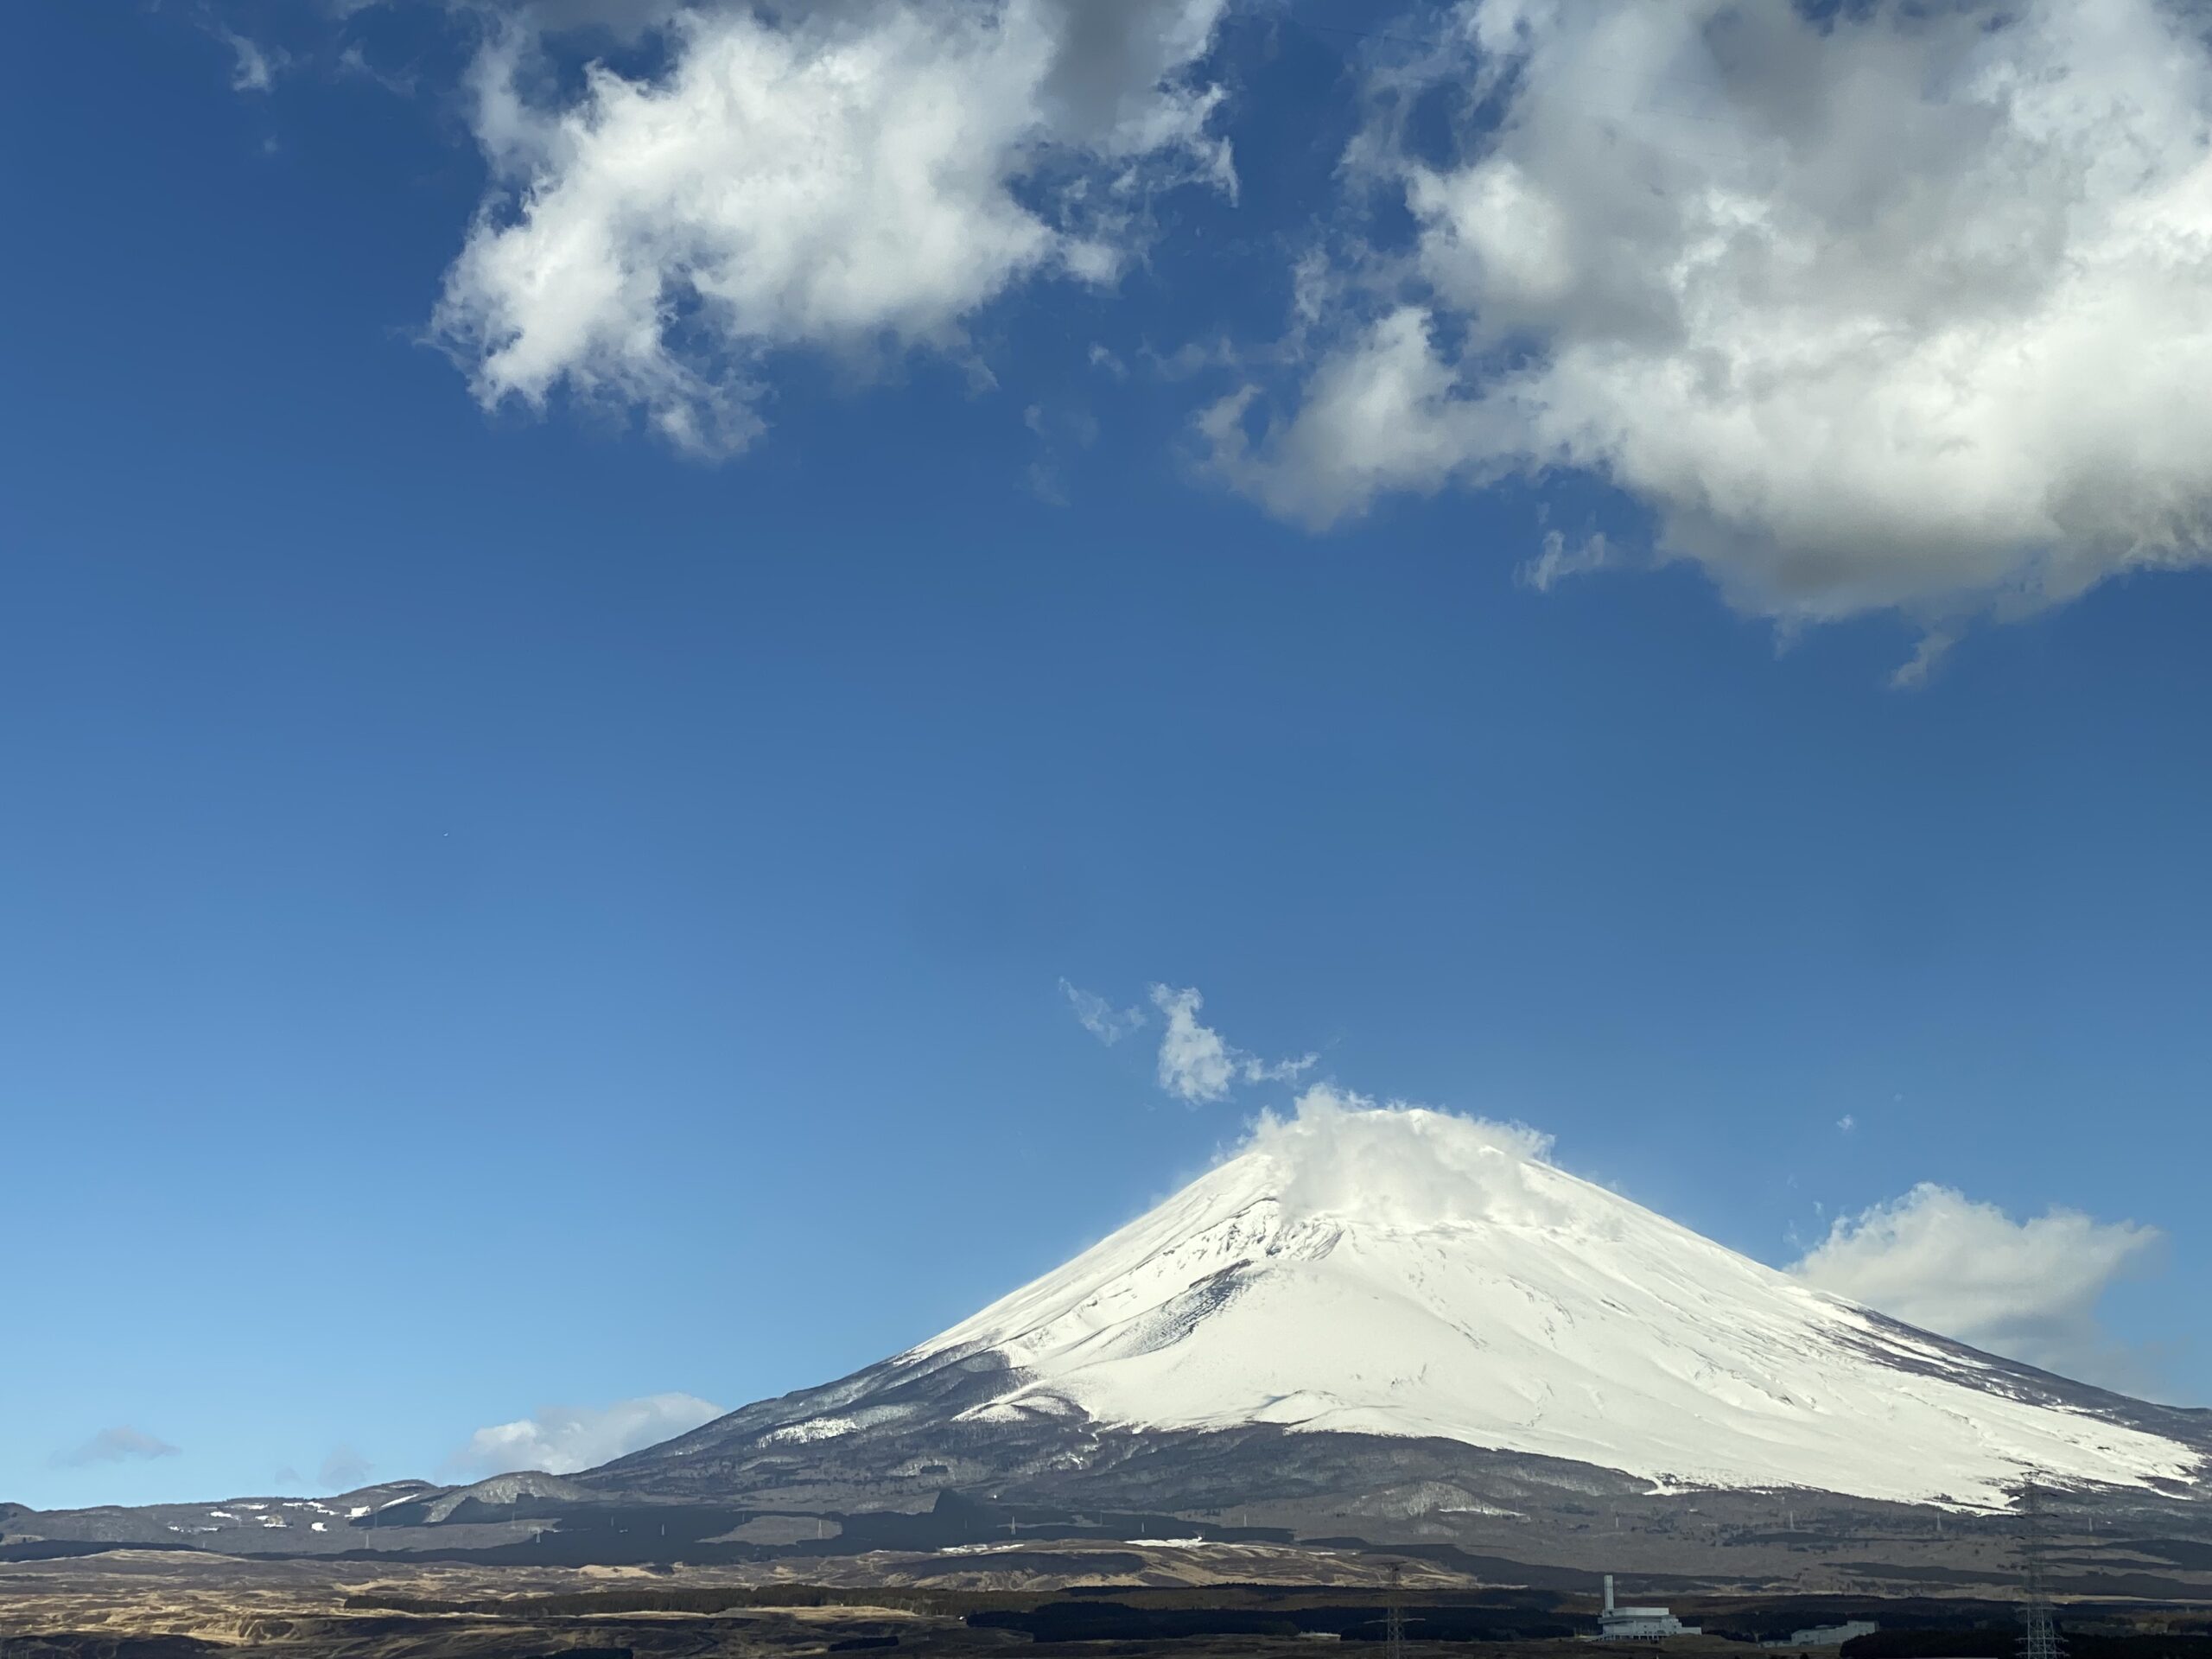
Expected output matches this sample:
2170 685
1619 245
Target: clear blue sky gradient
493 914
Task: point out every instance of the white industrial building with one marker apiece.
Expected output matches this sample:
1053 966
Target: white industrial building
1638 1624
1827 1635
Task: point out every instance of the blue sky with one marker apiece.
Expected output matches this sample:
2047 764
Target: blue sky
509 902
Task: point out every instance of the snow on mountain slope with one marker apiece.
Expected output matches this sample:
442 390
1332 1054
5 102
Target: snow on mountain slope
1411 1273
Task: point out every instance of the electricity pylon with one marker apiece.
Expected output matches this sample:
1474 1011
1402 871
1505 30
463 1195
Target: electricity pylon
2039 1635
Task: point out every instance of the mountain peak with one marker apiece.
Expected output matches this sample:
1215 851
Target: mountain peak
1361 1297
1407 1273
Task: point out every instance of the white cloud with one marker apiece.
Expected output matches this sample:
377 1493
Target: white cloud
1847 1123
344 1468
1913 672
837 178
1559 563
1906 307
254 67
122 1444
1099 1017
2027 1289
353 59
562 1439
1380 414
1196 1064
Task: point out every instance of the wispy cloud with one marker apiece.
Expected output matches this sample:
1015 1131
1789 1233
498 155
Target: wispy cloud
254 67
122 1444
1913 672
352 61
1196 1064
1559 563
2027 1289
1099 1017
343 1468
561 1439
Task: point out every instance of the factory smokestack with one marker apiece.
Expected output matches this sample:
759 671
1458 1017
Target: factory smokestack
1609 1595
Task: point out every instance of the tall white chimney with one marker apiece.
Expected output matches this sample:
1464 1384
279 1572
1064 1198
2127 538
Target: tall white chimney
1609 1595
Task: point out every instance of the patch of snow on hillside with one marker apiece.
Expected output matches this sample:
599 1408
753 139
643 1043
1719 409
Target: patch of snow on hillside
816 1429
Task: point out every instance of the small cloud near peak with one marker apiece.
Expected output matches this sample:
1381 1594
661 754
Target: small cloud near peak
1197 1065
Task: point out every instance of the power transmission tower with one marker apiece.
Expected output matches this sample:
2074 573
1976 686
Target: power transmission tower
2040 1637
1394 1617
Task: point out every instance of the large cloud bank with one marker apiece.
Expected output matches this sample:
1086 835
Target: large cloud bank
1904 307
845 179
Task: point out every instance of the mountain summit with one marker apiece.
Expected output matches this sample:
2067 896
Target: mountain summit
1420 1292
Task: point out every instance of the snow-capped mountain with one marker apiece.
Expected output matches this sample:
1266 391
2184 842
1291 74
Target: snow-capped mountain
1366 1330
1389 1281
